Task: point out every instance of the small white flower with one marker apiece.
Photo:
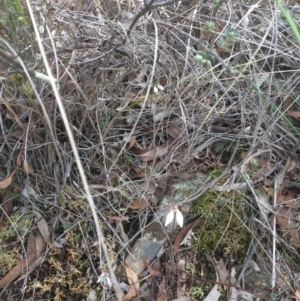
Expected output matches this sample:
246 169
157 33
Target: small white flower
105 280
174 214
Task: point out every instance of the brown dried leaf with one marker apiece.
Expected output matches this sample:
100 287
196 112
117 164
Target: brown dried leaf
297 295
7 204
174 132
137 204
163 80
113 152
181 235
264 169
170 266
286 199
181 271
295 114
269 191
191 164
19 159
133 282
78 5
140 171
26 167
148 155
39 244
297 284
285 219
16 271
263 199
210 259
154 272
280 176
181 282
31 248
43 227
222 272
132 142
183 175
13 113
151 153
118 218
35 244
32 267
162 294
6 182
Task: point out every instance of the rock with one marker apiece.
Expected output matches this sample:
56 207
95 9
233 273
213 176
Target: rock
156 234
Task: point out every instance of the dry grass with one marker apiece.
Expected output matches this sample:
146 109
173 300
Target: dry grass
144 108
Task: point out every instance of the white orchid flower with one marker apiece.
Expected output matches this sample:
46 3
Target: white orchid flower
174 214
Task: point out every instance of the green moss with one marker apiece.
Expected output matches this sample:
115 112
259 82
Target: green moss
216 172
223 233
195 293
15 227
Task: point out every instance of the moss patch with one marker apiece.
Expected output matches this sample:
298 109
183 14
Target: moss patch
12 232
224 233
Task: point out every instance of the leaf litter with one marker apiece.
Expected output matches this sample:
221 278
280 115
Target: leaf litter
133 282
141 134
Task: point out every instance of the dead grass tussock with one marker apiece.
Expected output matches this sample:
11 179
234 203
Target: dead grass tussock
143 111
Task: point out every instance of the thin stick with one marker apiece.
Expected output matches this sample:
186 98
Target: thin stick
101 239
